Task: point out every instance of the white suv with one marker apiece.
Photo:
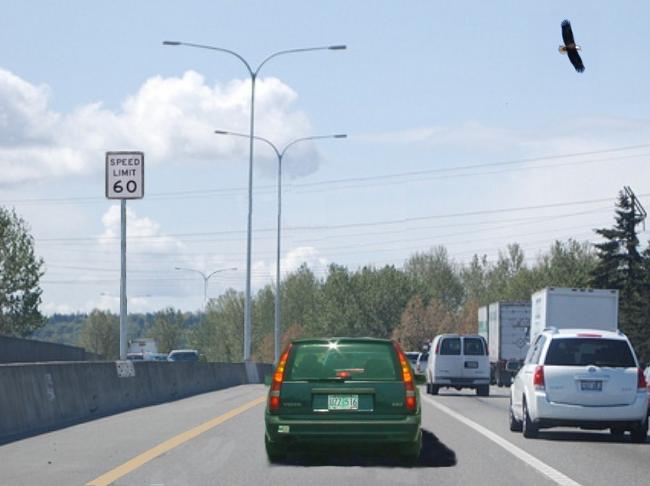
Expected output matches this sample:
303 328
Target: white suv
580 378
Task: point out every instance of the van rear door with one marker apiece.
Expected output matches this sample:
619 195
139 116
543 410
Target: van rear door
448 364
475 358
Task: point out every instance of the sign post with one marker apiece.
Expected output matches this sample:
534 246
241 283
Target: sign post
124 180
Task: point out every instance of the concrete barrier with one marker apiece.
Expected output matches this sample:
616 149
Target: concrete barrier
44 396
17 350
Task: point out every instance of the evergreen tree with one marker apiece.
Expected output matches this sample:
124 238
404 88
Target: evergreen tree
621 266
619 261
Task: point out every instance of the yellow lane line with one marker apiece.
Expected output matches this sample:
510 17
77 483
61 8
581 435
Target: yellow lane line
129 466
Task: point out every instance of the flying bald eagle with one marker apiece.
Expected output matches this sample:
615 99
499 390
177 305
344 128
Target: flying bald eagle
570 47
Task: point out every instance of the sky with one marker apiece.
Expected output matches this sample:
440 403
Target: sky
466 128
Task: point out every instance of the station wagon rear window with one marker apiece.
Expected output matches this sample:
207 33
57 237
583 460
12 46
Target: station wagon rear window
348 361
612 353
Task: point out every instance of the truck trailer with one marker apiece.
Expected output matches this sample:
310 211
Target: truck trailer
505 326
566 308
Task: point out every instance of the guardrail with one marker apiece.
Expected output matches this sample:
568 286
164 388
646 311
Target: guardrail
38 397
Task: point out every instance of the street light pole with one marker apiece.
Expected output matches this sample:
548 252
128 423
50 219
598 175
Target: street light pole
280 155
206 278
253 75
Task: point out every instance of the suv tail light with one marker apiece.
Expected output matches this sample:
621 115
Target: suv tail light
538 378
642 384
589 334
407 378
278 378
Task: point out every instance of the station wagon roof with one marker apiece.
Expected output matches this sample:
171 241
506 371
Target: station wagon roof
330 339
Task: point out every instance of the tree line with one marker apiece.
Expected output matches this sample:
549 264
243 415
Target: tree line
430 294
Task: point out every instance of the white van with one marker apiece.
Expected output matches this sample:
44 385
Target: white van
458 362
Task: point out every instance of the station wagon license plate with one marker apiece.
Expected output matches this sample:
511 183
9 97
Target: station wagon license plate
471 364
591 385
343 402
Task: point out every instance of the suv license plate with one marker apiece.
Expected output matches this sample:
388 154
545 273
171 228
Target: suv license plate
343 402
591 385
471 364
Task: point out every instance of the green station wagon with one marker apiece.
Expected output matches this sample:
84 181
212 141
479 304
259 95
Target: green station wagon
343 391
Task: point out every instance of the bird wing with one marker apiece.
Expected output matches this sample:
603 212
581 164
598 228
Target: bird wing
567 33
574 57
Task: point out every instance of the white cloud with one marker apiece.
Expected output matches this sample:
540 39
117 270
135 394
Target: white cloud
49 308
143 234
171 119
303 254
264 271
152 258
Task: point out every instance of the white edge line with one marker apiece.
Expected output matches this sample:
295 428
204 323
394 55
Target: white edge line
532 461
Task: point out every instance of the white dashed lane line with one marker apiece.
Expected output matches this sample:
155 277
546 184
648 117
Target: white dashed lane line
532 461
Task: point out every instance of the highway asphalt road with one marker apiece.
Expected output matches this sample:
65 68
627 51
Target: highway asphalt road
217 439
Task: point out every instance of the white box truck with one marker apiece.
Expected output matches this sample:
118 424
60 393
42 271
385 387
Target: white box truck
505 327
565 308
138 348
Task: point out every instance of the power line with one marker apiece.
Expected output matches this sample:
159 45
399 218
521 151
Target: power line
376 250
391 176
464 175
347 225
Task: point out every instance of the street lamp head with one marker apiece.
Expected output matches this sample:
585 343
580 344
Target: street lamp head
340 135
221 132
337 48
171 43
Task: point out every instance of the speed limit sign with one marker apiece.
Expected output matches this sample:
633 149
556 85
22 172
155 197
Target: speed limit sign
124 175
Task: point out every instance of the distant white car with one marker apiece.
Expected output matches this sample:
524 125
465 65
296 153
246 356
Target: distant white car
421 364
457 361
186 355
412 356
580 378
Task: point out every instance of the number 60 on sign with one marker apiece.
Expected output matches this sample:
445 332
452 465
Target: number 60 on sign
124 175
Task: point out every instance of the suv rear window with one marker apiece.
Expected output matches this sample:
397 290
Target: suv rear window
326 361
473 347
450 346
614 353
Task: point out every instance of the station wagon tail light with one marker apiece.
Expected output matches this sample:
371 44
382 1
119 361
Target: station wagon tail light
407 378
642 383
278 378
538 378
